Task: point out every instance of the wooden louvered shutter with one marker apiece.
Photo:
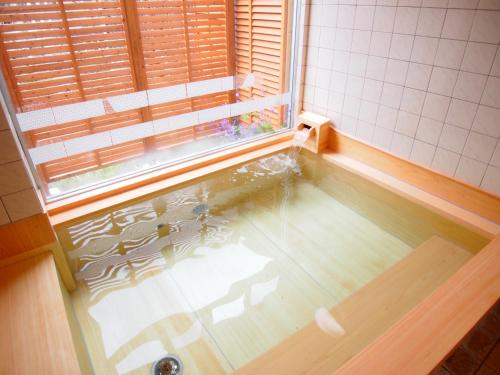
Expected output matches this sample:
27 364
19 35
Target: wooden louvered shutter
56 52
60 52
185 41
261 48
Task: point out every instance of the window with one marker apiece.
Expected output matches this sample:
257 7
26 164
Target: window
105 89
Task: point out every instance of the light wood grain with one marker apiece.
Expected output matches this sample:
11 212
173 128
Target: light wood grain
25 235
418 199
31 236
457 192
36 338
419 341
364 315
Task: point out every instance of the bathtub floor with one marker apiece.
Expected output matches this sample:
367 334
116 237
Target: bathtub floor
221 271
221 298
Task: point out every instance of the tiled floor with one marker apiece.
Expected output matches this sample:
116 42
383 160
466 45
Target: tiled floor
479 351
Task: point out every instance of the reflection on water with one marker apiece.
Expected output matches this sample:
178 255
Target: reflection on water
187 286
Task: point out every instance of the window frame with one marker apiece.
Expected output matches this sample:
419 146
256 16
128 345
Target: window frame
292 66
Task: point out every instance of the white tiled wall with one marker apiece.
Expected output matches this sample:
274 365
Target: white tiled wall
419 78
18 199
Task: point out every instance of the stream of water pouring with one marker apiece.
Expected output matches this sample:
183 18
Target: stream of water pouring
299 139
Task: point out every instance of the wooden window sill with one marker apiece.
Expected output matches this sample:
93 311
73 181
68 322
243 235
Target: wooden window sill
138 187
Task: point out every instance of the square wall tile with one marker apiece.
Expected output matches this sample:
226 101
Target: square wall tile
364 17
401 145
486 27
424 50
453 138
412 101
478 57
22 204
335 101
376 67
401 45
384 18
391 95
445 161
469 86
357 64
418 76
325 58
387 117
327 37
407 123
343 39
436 106
450 53
443 80
486 121
380 44
341 61
406 20
345 16
323 77
430 22
396 71
382 138
361 41
479 147
470 170
351 106
372 90
354 86
338 82
422 153
457 24
13 177
349 125
429 130
364 131
461 113
368 111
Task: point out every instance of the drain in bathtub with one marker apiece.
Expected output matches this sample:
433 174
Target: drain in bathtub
168 365
200 209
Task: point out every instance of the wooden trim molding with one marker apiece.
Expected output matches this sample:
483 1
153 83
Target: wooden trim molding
457 192
420 341
436 204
